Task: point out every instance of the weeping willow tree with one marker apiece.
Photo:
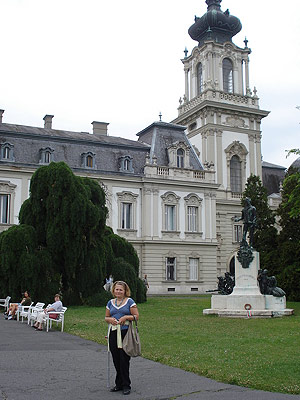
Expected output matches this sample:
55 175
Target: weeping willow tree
65 247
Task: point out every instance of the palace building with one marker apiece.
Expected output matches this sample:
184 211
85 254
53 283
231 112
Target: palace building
174 192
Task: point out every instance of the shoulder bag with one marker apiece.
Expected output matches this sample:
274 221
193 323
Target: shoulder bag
131 341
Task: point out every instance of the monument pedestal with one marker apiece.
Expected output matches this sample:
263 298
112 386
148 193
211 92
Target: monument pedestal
246 299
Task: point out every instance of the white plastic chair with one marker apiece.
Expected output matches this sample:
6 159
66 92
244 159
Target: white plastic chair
34 312
23 312
60 319
5 303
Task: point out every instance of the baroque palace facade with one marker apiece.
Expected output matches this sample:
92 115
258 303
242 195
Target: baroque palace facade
173 193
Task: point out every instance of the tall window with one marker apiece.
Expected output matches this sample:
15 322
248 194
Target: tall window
235 175
237 233
46 155
192 214
180 158
126 215
194 264
227 75
170 268
200 78
170 217
4 208
7 152
89 161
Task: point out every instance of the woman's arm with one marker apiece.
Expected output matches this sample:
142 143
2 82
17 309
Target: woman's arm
133 313
109 319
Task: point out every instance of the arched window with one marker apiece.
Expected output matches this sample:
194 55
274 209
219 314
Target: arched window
126 164
180 158
89 161
7 152
199 78
235 175
46 155
227 75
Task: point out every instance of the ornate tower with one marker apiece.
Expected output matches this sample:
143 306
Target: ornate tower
219 108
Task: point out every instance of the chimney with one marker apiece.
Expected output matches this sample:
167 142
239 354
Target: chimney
100 128
48 121
1 114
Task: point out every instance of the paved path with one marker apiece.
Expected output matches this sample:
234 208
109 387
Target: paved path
39 365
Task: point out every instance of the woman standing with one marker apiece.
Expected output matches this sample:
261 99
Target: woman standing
119 311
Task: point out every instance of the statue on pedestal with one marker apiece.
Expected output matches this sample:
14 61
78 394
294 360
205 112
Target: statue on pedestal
245 253
268 285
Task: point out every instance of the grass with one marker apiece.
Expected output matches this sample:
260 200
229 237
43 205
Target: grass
256 353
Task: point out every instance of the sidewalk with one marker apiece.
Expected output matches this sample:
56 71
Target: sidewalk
43 366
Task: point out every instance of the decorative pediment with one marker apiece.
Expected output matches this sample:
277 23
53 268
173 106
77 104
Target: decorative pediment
170 197
236 148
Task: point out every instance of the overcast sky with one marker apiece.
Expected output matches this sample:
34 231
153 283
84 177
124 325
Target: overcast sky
118 61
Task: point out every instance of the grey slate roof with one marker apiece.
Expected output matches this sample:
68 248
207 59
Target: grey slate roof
69 146
161 135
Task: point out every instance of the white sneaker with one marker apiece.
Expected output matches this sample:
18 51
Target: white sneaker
9 317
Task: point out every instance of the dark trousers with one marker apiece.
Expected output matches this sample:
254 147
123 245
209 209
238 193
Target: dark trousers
121 360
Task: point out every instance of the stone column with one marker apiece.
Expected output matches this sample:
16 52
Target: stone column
204 146
247 76
252 154
146 213
219 134
187 94
211 146
258 154
208 213
156 210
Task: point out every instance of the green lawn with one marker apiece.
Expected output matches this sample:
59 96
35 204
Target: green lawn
257 353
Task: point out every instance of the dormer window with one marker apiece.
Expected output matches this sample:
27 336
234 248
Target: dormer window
7 152
46 155
126 164
179 155
88 160
180 158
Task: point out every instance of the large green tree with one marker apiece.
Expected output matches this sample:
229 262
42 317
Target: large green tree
289 237
65 245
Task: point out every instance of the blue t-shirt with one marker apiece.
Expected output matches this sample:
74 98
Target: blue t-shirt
123 309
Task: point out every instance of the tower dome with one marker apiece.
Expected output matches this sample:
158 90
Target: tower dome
215 24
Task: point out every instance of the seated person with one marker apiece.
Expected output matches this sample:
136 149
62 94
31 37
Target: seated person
26 301
56 306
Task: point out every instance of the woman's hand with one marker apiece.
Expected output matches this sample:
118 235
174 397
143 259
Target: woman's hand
122 320
114 321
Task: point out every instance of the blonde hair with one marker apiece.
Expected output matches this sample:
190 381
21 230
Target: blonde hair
125 286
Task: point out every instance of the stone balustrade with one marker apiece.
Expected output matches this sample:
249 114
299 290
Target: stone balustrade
179 173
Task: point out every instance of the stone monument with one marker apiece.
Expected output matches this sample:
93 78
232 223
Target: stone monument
254 293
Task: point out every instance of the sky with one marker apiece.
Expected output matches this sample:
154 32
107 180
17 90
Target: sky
119 61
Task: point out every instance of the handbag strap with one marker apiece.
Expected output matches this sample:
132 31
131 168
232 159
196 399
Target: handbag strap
135 320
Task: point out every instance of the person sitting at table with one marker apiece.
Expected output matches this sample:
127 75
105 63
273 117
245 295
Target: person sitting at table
13 307
56 306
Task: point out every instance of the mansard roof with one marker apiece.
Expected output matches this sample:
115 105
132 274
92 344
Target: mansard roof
62 135
107 151
161 136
